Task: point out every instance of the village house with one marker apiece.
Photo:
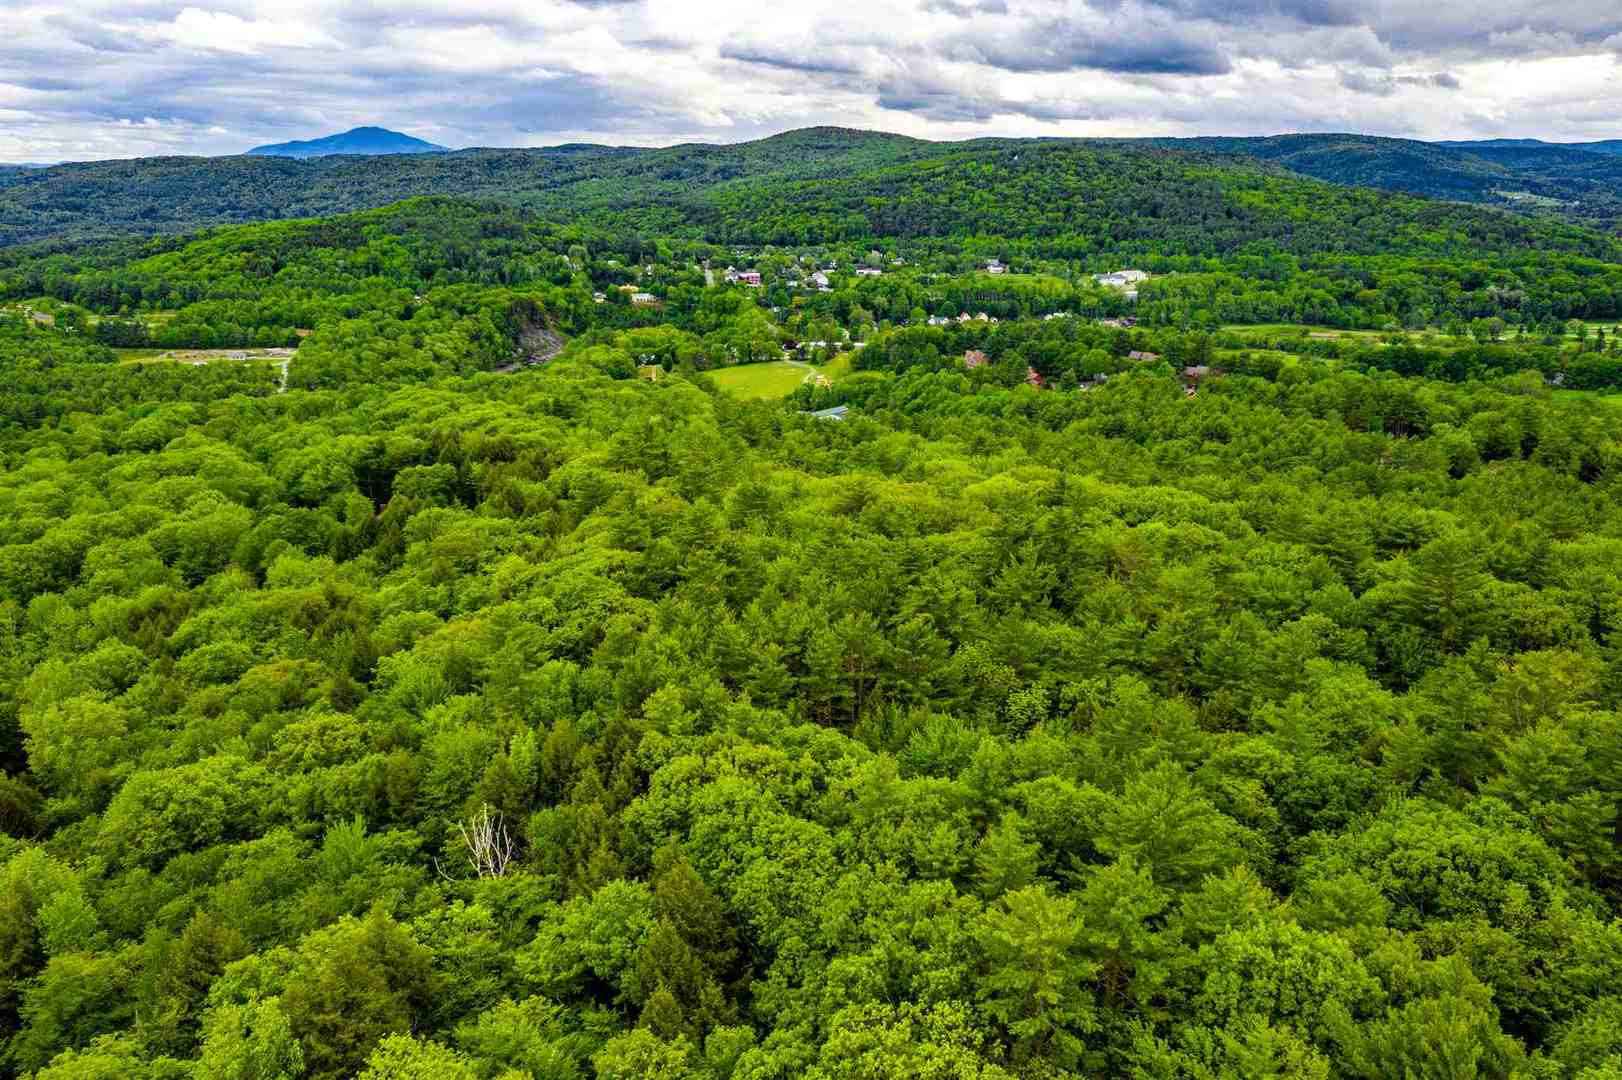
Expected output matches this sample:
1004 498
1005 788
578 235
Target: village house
869 271
600 298
1120 279
820 280
1147 357
974 358
838 412
1034 378
995 267
1193 374
642 299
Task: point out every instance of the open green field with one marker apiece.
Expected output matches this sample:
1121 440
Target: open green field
1325 333
1607 325
774 380
838 367
777 379
200 356
1612 399
991 280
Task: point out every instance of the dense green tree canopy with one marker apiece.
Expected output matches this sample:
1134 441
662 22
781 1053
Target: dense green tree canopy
461 704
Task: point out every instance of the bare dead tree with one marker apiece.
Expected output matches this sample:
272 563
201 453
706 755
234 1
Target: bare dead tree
490 846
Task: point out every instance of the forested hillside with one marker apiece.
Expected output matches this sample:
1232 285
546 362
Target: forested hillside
429 647
170 195
1577 183
888 185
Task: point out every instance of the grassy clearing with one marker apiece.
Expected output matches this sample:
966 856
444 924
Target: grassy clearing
838 367
1604 398
200 356
1326 333
777 379
752 381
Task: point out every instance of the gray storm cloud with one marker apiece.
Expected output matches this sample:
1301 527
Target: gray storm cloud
95 78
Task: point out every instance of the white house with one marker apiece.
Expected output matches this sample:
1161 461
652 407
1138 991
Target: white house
1121 279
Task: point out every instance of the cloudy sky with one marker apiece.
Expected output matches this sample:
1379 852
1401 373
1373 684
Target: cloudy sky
83 79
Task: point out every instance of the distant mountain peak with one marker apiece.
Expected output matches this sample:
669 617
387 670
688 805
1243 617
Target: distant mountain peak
361 140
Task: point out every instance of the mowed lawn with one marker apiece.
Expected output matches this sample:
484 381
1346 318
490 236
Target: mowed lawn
774 380
777 379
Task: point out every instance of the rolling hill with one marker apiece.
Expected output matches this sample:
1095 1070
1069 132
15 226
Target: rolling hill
1606 146
1579 183
169 195
857 181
